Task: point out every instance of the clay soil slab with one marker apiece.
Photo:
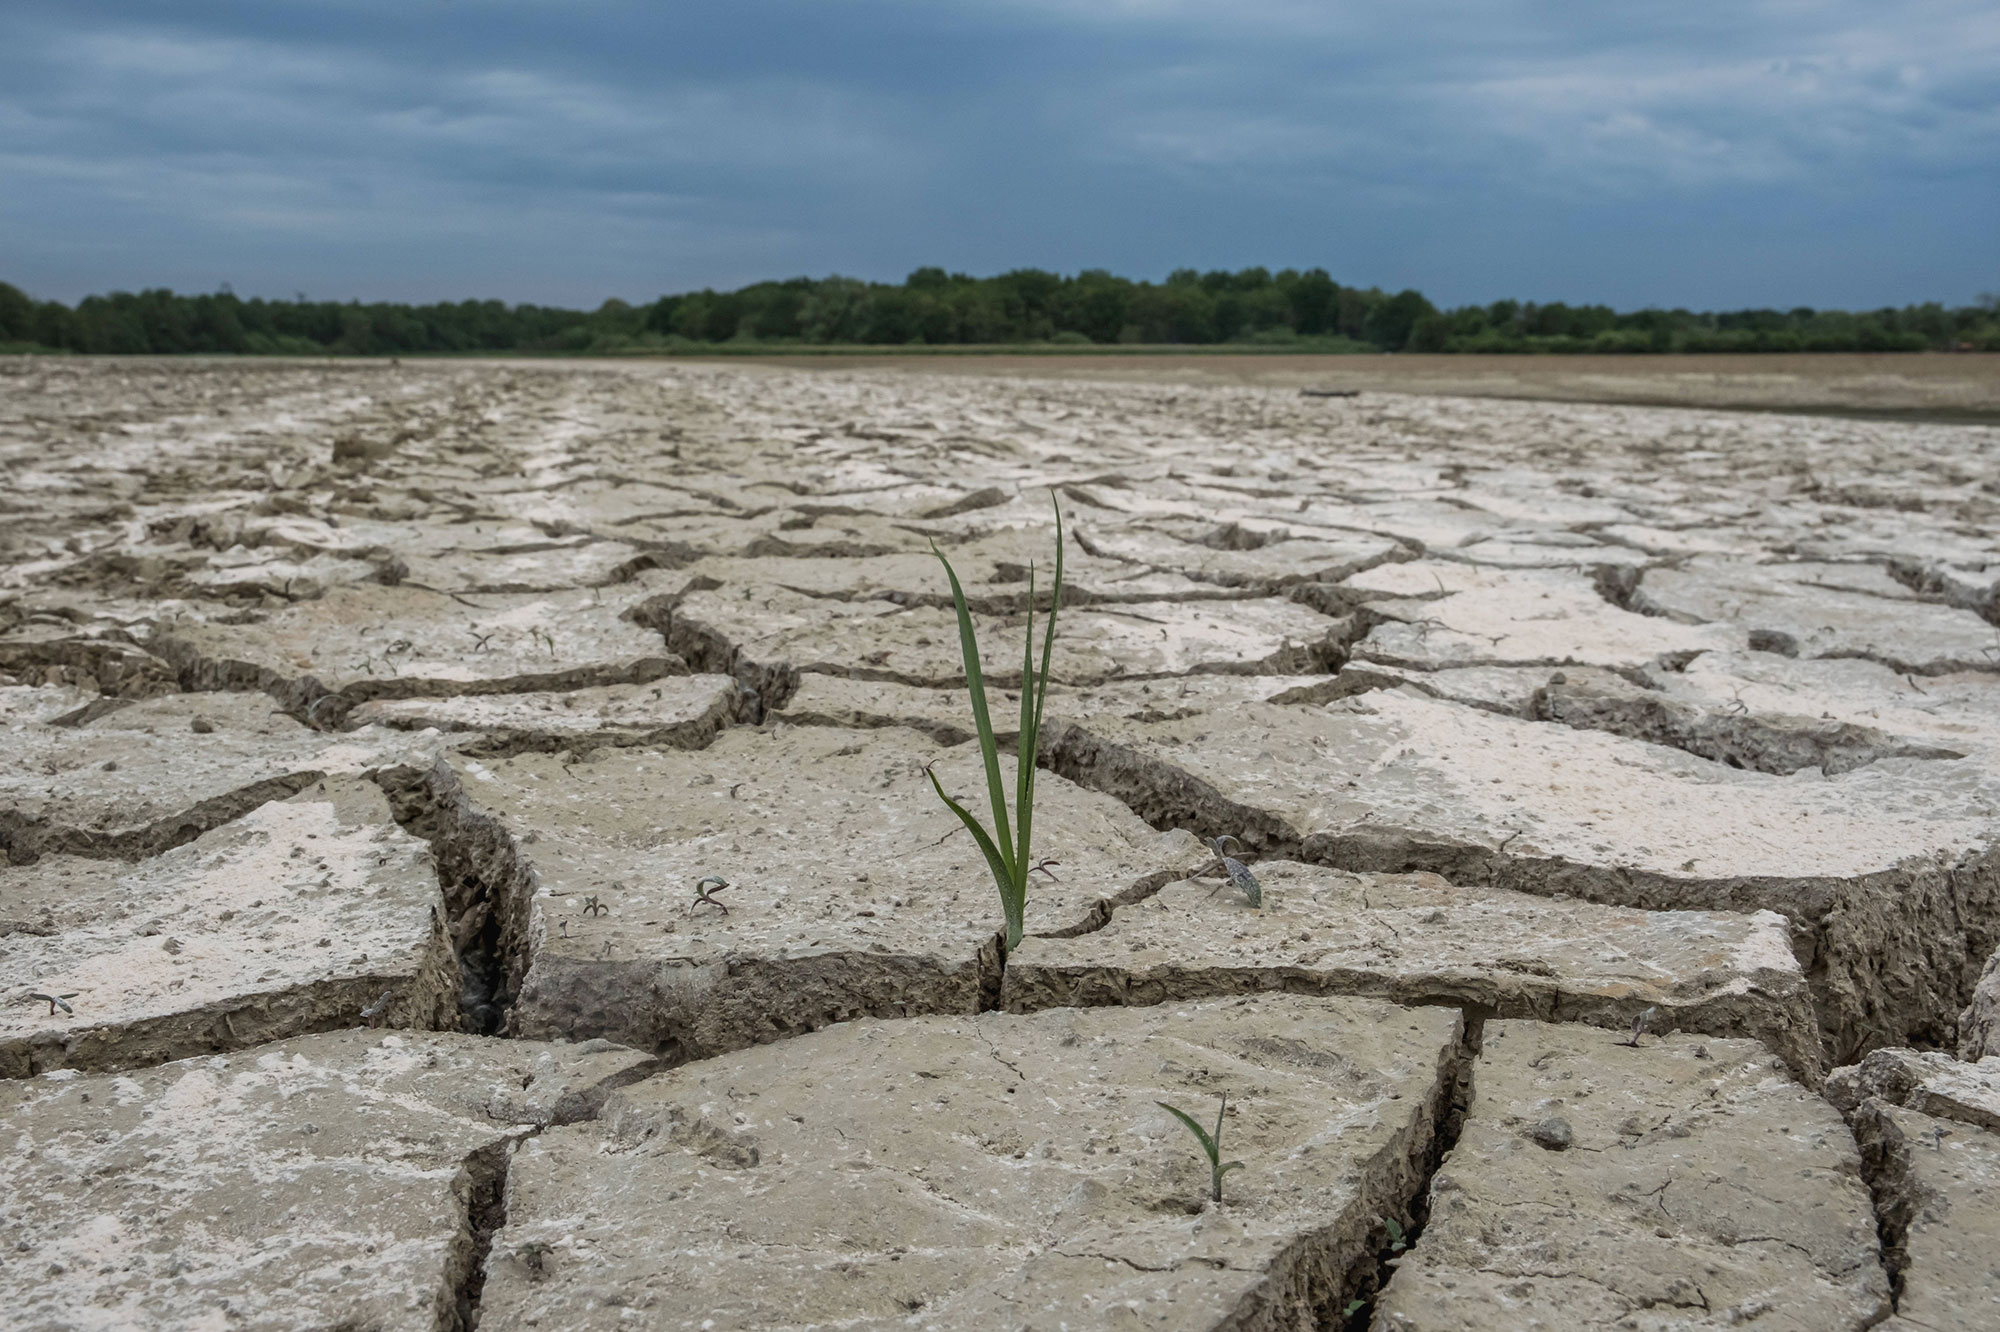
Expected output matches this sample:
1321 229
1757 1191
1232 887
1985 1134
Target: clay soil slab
1686 1183
322 1182
919 644
1781 743
1233 555
143 778
1973 587
835 700
1547 550
993 571
1891 872
1415 939
1515 691
1443 615
685 711
531 566
293 918
1934 1084
64 646
360 643
1825 610
1959 712
850 892
25 708
991 1171
256 574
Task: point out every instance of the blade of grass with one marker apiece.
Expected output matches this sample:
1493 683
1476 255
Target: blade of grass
1207 1143
989 750
1028 748
1024 752
986 847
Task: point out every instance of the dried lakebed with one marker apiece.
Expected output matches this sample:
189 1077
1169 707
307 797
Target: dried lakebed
467 859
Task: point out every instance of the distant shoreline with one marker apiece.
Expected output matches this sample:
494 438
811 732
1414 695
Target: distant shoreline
1946 388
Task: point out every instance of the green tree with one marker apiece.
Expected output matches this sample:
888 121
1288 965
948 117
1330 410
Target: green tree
1312 299
17 315
1390 323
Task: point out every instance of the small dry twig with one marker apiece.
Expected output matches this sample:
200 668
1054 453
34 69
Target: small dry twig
1639 1025
1239 875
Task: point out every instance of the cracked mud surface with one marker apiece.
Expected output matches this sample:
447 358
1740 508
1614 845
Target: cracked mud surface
369 730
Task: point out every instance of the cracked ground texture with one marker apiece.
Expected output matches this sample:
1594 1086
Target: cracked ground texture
1619 778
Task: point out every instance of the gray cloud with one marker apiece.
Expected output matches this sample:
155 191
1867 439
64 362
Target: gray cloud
1833 153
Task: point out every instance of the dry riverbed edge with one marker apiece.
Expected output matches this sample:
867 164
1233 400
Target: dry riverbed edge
556 604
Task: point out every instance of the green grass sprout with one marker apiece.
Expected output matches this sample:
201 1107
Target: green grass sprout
1212 1145
1006 845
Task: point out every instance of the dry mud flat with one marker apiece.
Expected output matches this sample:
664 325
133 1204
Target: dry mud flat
1961 388
1624 785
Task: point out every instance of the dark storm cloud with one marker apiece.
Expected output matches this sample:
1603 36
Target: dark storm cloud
1831 153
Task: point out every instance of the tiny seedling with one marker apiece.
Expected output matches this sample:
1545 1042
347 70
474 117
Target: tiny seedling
1398 1241
593 907
1006 845
1210 1144
56 1000
1239 873
705 891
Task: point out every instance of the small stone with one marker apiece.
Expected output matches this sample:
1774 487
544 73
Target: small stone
201 726
1553 1133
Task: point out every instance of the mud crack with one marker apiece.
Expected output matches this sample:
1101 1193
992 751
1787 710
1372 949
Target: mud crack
486 884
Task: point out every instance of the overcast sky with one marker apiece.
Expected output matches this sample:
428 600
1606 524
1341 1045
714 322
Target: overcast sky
1672 152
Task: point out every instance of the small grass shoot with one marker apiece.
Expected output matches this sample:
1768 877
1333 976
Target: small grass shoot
1210 1144
1006 845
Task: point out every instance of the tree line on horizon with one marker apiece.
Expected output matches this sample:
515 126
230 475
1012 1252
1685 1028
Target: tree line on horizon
1252 308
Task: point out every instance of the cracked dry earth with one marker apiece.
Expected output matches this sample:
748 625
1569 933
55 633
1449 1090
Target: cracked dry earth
1624 784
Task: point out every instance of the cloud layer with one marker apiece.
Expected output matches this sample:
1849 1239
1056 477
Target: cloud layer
1833 153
